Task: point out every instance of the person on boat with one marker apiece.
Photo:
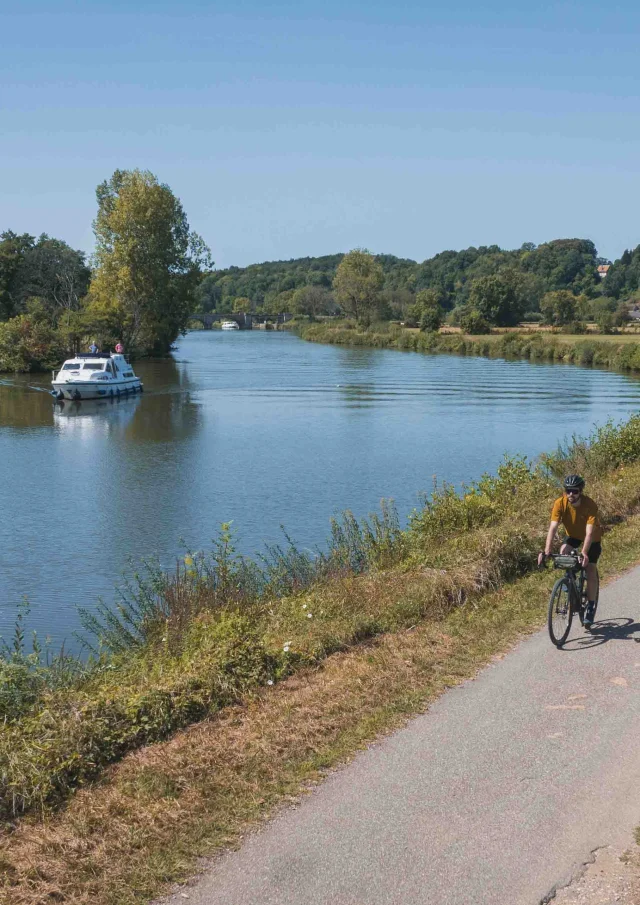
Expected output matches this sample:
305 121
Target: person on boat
93 348
119 348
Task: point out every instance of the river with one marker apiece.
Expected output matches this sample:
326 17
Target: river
264 430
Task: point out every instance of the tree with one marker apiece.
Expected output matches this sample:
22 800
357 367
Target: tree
357 284
498 298
12 251
208 294
29 343
427 311
473 322
559 307
56 274
430 319
313 300
622 314
148 263
241 305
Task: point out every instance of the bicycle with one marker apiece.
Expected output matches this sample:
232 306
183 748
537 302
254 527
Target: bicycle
569 596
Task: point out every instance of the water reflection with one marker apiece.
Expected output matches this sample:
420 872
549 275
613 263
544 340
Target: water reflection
165 417
101 416
23 408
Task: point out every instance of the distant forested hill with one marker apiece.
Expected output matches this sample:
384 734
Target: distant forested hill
304 284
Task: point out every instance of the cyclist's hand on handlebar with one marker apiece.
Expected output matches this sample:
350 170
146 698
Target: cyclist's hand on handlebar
541 558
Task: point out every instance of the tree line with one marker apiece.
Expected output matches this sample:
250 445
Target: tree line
556 282
150 271
138 288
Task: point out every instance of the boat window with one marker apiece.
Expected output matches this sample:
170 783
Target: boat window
93 366
71 366
129 374
109 369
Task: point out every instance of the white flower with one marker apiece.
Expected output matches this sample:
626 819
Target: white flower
269 681
309 615
304 606
286 648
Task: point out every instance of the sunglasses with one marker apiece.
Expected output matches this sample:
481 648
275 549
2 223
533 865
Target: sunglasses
573 492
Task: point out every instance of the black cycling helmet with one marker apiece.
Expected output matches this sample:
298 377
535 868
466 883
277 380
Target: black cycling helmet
573 482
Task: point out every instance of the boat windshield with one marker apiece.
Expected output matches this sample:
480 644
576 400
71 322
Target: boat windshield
93 366
71 366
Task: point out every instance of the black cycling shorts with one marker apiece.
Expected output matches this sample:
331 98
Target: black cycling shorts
594 550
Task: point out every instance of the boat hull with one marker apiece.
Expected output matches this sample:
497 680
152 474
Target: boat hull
77 391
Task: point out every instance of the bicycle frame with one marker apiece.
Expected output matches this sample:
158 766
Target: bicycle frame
573 585
578 588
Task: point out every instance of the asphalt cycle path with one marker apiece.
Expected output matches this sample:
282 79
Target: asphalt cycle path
500 793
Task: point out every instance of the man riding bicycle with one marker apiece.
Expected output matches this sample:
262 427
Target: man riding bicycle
579 515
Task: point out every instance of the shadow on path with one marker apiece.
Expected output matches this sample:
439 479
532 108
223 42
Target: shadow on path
619 628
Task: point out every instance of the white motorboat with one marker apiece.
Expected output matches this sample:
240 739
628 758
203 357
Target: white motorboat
95 375
230 325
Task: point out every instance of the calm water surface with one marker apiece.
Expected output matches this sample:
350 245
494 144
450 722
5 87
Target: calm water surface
260 429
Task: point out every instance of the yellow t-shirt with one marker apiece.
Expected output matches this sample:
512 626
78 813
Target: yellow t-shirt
575 519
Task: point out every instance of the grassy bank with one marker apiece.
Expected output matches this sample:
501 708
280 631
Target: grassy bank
121 841
184 646
620 353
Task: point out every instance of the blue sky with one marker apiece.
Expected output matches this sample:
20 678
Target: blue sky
293 129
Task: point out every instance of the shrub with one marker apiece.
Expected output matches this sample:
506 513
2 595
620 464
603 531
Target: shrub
577 327
29 344
431 319
606 322
473 322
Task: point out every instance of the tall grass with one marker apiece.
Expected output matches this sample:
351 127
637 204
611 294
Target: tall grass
623 356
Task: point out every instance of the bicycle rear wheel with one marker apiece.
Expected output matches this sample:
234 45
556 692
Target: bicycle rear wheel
560 612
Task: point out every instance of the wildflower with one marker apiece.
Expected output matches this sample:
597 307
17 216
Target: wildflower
269 681
188 560
309 615
304 606
287 647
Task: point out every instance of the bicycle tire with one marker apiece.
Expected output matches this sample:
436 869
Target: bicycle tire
560 612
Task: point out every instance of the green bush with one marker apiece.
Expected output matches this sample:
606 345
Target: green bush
473 322
431 319
576 327
28 344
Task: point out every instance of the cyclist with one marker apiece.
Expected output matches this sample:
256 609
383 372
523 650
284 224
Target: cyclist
579 515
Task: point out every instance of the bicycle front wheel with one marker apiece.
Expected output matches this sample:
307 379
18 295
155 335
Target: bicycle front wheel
560 612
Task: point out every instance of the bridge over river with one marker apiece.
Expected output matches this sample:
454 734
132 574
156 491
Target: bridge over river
243 319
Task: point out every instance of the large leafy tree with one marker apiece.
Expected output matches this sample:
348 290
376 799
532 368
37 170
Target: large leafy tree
313 300
54 273
559 307
12 251
499 298
148 263
357 284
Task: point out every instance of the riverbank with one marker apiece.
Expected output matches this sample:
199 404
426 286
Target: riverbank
620 353
289 669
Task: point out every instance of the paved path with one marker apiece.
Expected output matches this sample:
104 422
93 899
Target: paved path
496 795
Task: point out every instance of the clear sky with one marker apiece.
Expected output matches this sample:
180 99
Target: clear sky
299 128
